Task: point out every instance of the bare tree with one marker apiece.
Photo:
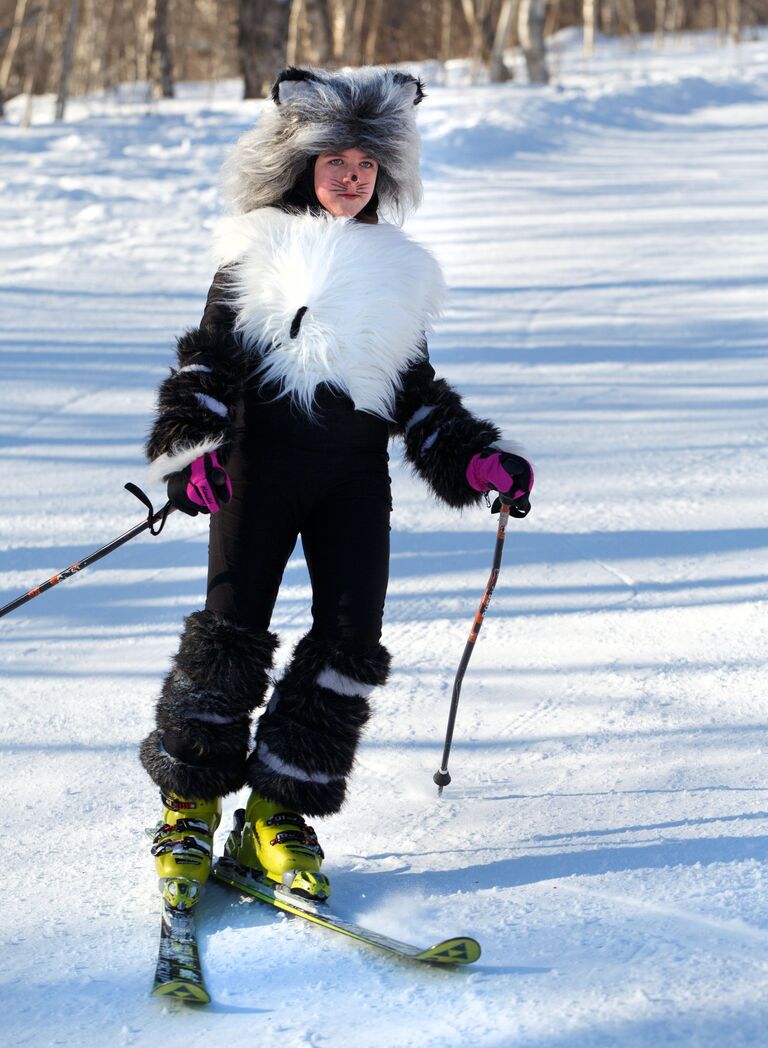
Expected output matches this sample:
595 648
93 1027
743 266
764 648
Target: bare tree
660 21
66 58
446 26
499 70
10 51
530 31
477 14
262 42
373 31
733 19
33 68
160 53
294 31
358 30
93 44
628 14
588 18
319 30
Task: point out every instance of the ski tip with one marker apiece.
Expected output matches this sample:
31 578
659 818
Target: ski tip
182 991
461 950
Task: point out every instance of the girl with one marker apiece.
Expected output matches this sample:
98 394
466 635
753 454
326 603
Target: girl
310 355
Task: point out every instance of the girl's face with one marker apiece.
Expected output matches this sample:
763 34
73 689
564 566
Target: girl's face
344 182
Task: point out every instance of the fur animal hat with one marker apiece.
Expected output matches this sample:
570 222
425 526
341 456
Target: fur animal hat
318 112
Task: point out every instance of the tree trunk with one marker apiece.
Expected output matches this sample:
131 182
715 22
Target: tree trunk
661 14
41 32
146 35
105 73
629 16
552 23
338 12
294 32
357 54
530 30
161 54
588 15
319 21
500 71
66 58
10 51
608 21
446 25
86 46
734 20
262 42
373 32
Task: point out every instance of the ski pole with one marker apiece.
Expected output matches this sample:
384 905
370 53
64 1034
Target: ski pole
442 777
148 524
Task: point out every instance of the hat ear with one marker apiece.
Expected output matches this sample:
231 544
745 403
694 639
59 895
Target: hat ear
410 85
291 83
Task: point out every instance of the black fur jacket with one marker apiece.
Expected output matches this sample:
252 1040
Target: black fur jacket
301 302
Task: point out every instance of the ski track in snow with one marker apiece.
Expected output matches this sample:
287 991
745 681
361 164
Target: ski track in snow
605 835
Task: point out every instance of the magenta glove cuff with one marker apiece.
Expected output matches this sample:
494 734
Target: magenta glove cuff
199 486
486 472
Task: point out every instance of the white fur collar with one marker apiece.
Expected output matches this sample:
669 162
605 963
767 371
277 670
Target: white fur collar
370 294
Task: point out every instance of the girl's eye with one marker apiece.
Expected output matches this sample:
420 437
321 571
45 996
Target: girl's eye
336 161
366 163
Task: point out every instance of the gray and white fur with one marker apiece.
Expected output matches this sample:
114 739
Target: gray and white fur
315 112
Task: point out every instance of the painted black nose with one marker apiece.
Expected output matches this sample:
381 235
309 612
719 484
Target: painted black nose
353 178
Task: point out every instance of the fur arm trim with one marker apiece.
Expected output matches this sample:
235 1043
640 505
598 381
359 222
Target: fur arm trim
195 403
440 434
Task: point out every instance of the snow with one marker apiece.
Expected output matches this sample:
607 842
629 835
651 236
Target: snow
605 834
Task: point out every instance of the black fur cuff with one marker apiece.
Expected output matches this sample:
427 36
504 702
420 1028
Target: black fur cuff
223 658
219 675
308 798
195 406
441 439
205 782
307 739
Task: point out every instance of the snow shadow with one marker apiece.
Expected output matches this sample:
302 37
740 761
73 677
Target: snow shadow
458 562
534 869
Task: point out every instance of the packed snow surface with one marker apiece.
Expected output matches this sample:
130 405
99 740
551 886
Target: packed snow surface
605 837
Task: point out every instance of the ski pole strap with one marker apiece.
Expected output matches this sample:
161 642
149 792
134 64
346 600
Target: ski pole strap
146 501
153 518
519 507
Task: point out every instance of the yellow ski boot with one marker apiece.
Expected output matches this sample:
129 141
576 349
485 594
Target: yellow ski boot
183 848
277 844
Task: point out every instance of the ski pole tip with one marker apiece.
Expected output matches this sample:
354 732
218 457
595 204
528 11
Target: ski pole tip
441 778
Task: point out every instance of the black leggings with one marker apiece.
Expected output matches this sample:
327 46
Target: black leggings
339 503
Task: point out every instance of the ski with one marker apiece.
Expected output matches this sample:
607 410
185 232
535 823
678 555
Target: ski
461 950
178 972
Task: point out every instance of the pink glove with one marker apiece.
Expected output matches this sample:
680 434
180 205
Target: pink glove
203 487
509 474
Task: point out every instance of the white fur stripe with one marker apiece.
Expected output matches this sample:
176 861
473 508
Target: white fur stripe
180 457
430 440
342 685
210 718
273 762
418 416
212 404
194 367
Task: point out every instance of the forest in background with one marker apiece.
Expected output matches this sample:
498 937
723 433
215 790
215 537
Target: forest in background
73 47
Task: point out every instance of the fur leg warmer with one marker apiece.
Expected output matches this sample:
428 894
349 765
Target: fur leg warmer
219 675
307 737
